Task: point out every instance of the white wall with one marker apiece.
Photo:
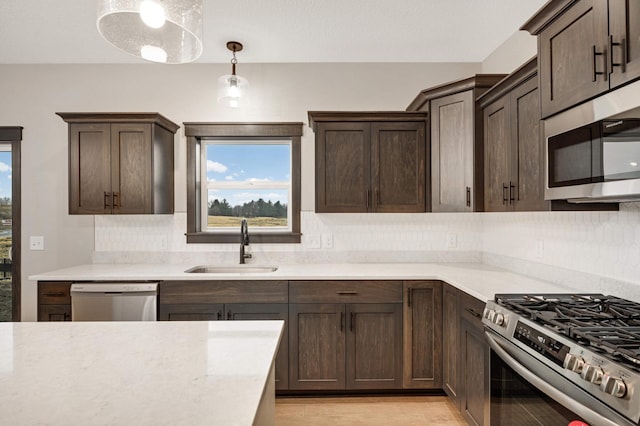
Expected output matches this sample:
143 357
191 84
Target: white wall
515 51
280 92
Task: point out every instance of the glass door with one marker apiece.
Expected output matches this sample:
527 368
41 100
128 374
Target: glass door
10 139
6 225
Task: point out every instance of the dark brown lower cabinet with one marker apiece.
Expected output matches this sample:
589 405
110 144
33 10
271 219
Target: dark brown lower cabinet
337 346
225 300
465 355
473 350
450 338
422 335
54 301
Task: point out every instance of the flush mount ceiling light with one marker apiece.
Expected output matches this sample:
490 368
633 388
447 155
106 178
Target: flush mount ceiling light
167 31
232 88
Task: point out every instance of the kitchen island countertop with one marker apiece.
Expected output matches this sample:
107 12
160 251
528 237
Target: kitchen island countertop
479 280
138 373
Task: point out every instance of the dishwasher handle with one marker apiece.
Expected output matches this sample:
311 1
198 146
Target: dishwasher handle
114 288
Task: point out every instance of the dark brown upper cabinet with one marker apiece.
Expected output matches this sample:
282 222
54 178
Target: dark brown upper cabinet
456 134
514 149
120 163
585 48
370 161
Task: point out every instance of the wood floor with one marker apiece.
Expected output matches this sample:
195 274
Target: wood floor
370 411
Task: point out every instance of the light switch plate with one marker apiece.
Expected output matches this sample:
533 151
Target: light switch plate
36 243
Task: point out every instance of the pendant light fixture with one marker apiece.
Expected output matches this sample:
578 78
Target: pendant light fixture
232 88
167 31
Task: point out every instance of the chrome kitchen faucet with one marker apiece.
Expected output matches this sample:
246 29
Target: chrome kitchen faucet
244 241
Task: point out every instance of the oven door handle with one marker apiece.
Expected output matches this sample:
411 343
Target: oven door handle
585 412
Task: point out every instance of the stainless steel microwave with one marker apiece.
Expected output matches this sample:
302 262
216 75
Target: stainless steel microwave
595 162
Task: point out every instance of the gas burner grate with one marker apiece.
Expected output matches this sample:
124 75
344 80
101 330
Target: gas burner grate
623 343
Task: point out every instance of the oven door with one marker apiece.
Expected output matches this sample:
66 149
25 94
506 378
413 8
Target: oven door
526 392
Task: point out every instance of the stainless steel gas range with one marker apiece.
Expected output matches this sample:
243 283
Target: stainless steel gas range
564 358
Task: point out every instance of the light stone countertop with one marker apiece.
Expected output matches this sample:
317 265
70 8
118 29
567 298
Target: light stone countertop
478 280
136 373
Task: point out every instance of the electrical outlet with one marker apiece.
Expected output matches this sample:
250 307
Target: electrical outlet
36 243
539 249
313 241
163 242
327 241
452 241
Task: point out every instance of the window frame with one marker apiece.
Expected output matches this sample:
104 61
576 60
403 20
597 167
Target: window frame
195 134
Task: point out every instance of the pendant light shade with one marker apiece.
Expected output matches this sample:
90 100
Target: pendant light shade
232 88
168 31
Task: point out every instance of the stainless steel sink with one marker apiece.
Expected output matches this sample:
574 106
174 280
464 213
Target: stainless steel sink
238 269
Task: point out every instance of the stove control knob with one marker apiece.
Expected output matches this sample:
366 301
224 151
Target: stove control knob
573 363
498 319
613 386
592 373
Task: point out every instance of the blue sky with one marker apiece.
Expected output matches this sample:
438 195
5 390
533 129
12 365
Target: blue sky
248 163
5 174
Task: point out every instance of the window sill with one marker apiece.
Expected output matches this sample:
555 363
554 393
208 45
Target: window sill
258 238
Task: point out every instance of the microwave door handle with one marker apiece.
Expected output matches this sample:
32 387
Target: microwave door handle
587 413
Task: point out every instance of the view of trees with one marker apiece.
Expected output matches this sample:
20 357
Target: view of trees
258 208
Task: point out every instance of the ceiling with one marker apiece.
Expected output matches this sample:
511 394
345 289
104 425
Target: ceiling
281 31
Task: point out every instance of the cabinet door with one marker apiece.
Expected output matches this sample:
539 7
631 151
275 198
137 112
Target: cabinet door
452 152
89 168
422 335
473 349
131 168
624 26
191 312
54 312
498 183
573 56
343 167
450 341
399 166
317 346
374 346
527 149
267 311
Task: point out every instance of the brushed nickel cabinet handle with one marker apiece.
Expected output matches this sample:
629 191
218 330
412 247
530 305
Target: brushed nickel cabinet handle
346 292
410 291
504 194
468 196
116 200
474 313
341 321
512 190
55 294
353 319
107 202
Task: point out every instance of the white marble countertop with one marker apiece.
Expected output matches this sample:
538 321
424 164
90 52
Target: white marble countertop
478 280
135 373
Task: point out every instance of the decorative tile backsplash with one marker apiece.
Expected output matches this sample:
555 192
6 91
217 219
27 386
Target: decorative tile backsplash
593 246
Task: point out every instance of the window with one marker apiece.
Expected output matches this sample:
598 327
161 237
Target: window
238 170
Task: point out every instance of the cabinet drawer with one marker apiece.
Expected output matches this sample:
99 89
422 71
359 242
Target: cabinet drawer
215 291
54 313
471 310
54 293
345 291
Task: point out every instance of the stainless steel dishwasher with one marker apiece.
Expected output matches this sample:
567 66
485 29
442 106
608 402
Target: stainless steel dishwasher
114 301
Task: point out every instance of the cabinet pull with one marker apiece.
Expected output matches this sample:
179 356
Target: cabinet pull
376 198
623 54
346 292
596 73
368 198
512 190
219 315
352 320
504 194
409 297
229 316
468 196
474 313
116 199
341 321
107 202
55 294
